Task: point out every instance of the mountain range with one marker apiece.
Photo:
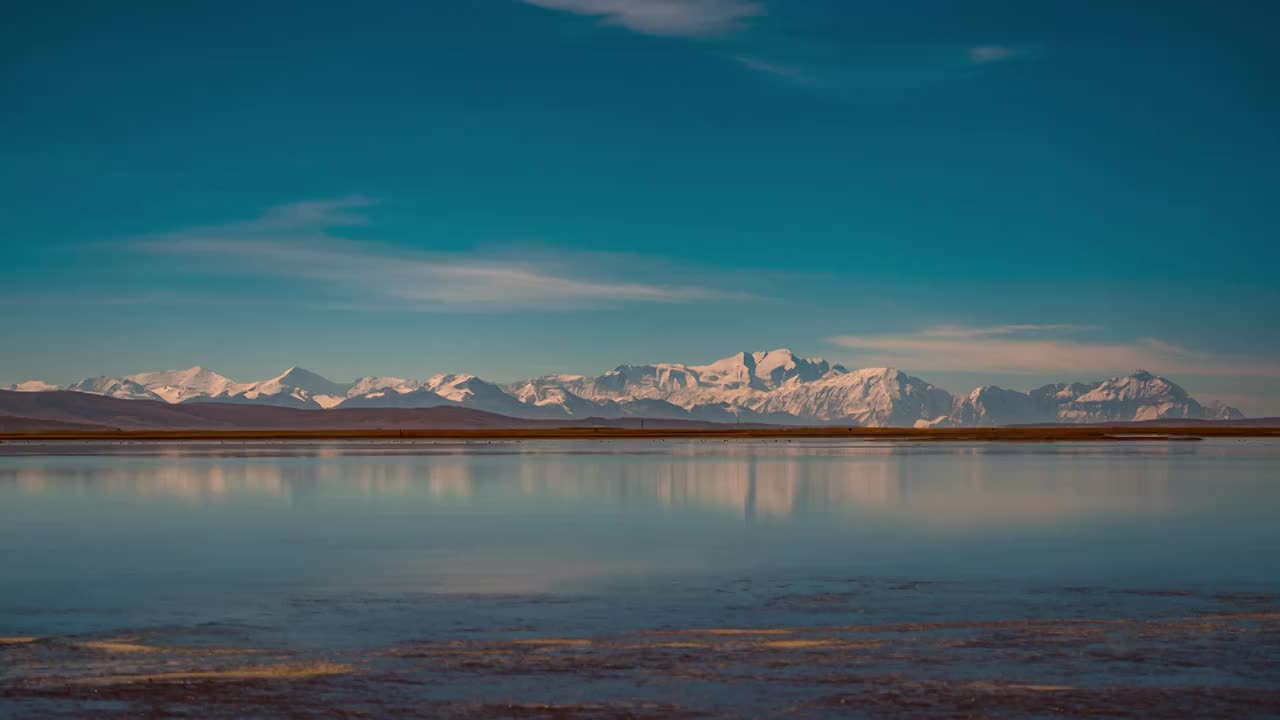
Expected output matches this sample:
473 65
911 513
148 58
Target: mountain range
774 387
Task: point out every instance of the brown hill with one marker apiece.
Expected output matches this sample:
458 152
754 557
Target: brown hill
72 412
10 423
74 407
98 412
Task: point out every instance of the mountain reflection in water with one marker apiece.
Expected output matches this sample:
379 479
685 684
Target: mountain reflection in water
931 485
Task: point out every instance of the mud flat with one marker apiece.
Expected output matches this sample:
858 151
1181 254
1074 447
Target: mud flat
1058 667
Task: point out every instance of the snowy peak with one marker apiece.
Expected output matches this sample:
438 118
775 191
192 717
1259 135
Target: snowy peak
778 366
731 372
869 397
456 387
775 386
626 380
548 393
31 386
1136 397
1138 386
404 397
366 385
296 387
990 405
191 377
307 381
114 387
470 391
761 370
1140 396
449 389
176 386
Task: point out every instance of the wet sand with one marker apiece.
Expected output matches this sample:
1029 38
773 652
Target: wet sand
1049 667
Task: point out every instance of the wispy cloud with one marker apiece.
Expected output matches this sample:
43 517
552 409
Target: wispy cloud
1035 349
297 241
986 54
785 72
875 71
312 214
961 331
864 70
106 298
685 18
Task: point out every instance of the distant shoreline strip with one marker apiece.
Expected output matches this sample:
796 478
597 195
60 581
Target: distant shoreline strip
1100 433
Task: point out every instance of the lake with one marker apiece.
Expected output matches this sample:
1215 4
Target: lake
637 578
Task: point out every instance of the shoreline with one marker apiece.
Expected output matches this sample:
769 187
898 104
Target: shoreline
1110 433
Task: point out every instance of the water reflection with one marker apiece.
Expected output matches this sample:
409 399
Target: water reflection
956 487
167 534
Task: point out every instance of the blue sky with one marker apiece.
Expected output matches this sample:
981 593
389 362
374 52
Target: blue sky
975 191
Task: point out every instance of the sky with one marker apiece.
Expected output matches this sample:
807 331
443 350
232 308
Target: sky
975 191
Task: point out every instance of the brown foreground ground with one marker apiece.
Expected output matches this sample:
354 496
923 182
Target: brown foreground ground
1198 666
1090 433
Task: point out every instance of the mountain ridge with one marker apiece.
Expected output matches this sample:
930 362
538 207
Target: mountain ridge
63 412
775 387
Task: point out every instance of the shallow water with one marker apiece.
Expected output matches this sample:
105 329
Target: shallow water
634 578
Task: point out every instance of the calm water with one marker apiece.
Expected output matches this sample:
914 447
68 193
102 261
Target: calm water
630 578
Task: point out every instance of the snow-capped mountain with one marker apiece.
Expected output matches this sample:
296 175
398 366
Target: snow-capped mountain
303 385
472 392
743 380
295 388
1136 397
776 387
990 405
367 385
114 387
751 386
547 393
1140 396
764 370
1218 410
627 382
31 386
393 398
876 397
177 386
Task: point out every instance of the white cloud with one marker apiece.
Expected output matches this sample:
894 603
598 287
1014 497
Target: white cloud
1035 349
295 241
687 18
